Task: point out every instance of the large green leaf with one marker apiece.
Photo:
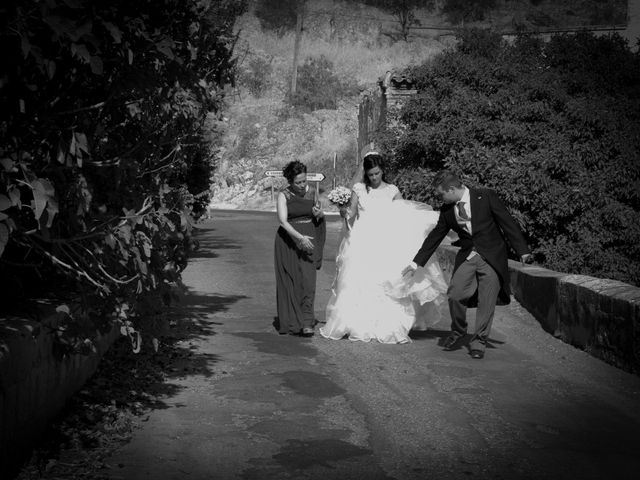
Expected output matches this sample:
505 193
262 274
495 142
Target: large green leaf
114 31
4 237
5 202
7 164
40 198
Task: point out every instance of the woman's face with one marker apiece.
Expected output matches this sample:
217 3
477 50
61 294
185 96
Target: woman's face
375 176
299 183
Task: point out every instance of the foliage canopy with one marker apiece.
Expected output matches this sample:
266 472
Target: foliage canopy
102 162
318 86
279 16
553 127
403 11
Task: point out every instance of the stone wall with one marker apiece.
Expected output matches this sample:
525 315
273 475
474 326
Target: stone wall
377 107
599 316
370 117
35 383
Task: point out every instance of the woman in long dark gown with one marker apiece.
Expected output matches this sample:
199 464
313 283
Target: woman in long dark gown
298 252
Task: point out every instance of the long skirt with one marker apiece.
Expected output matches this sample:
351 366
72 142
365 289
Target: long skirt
295 281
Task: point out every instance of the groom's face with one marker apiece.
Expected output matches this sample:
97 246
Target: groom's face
448 195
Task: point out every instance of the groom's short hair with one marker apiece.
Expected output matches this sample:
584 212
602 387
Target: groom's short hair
446 179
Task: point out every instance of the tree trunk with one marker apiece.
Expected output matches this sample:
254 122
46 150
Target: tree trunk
296 50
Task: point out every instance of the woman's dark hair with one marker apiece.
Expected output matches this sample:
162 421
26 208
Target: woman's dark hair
372 160
293 169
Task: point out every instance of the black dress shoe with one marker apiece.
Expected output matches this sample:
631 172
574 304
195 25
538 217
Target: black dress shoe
477 354
307 332
450 342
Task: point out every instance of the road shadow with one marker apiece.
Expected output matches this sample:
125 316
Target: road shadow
195 311
128 386
430 334
190 320
208 243
441 335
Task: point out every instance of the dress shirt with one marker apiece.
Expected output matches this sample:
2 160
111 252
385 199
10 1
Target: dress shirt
466 224
466 198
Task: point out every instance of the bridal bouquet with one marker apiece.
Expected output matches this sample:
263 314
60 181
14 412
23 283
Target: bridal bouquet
339 196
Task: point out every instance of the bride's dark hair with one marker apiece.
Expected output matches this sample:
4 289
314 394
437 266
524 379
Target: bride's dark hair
372 160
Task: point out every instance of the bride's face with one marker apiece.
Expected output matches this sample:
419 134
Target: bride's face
375 176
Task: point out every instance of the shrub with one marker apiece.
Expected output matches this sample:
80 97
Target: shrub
103 166
457 11
479 42
255 77
317 85
403 11
279 16
553 128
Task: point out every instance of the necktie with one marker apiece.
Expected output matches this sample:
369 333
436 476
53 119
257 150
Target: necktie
462 212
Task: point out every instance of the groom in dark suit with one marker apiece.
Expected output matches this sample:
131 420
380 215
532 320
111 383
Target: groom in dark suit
481 275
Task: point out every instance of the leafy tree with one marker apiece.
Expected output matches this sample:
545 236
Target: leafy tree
459 11
554 128
103 166
279 16
318 85
403 10
255 76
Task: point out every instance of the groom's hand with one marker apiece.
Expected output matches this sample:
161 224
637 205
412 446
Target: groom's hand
526 258
409 270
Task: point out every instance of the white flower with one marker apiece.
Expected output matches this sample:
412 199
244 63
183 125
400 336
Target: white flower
339 196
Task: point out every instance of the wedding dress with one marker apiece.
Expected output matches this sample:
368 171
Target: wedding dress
370 300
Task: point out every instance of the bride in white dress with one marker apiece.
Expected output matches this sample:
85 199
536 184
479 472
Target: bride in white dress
370 300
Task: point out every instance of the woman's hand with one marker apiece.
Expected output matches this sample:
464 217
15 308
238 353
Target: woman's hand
305 243
316 210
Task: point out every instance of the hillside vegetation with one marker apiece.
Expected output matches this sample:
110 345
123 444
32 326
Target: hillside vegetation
346 46
262 131
553 127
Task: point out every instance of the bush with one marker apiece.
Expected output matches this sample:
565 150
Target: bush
279 16
255 77
479 42
553 128
317 85
103 166
458 11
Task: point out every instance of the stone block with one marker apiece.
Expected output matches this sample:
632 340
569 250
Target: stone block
3 429
35 384
597 315
23 397
9 423
537 290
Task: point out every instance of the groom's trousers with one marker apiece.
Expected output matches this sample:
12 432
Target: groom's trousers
473 274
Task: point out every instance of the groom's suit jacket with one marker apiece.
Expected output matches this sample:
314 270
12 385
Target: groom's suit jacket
490 224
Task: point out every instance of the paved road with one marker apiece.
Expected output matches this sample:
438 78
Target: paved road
264 406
